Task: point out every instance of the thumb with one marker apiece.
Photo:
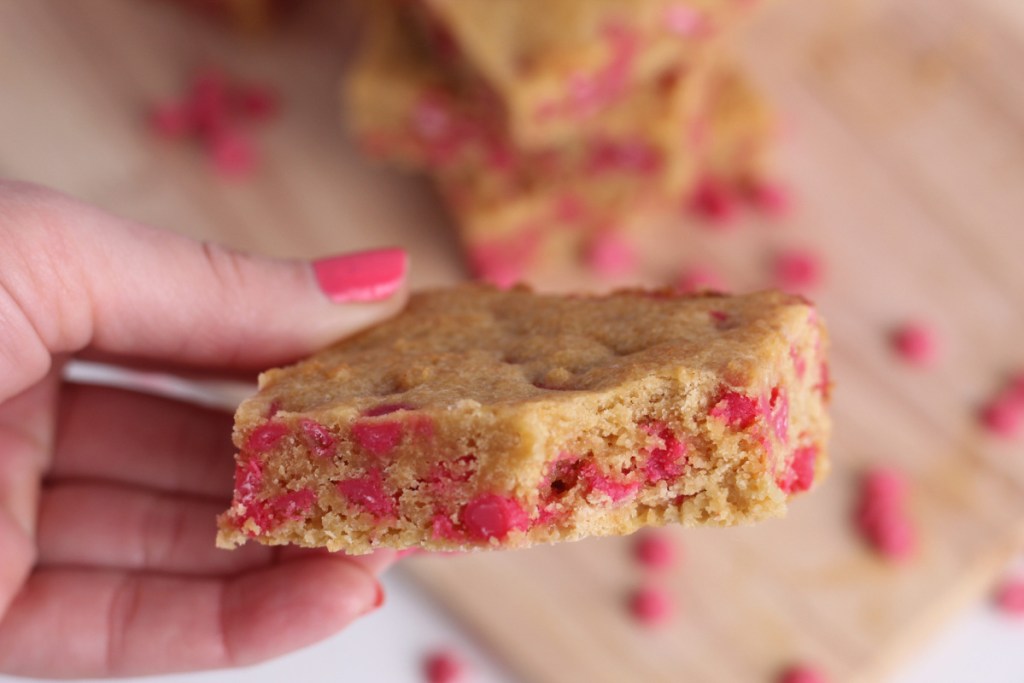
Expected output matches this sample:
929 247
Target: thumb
73 277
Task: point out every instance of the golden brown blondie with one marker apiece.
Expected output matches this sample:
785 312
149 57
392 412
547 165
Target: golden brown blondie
487 418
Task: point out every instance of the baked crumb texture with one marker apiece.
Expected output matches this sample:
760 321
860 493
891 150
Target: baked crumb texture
483 418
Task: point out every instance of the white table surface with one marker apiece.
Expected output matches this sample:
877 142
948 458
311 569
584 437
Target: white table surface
386 647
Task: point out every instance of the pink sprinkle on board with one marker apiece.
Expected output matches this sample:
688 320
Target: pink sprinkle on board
655 550
492 516
610 255
444 666
1009 597
1003 414
715 202
882 516
651 606
797 270
916 343
210 113
801 673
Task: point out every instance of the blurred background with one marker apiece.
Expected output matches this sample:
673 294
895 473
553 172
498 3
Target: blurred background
866 153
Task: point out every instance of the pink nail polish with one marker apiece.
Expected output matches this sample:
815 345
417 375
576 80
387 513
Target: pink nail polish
363 276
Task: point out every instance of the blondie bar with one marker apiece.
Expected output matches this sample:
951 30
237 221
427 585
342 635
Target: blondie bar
554 66
486 418
404 109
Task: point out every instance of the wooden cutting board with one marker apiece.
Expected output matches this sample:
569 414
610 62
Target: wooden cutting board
905 143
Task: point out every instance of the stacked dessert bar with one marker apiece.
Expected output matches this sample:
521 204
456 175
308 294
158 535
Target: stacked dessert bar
551 127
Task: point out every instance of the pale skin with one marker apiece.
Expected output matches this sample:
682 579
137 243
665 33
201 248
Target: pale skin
108 498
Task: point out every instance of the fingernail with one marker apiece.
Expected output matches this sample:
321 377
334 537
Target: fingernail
363 276
378 600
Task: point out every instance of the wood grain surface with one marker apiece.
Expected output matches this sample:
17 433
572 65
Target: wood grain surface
905 144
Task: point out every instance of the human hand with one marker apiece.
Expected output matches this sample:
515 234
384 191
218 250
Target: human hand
108 498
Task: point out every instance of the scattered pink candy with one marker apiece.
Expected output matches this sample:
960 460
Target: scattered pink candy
882 516
444 666
655 550
801 673
210 113
651 606
1009 597
1003 414
797 270
610 255
916 343
715 202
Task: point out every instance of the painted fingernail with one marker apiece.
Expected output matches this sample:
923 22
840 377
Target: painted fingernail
379 600
363 276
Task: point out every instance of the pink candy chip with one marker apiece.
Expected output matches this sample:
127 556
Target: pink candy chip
444 666
737 410
651 606
610 255
492 516
597 480
264 437
318 438
368 494
378 437
882 516
715 202
916 343
797 270
800 474
655 550
209 114
666 456
1009 597
802 673
1003 414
